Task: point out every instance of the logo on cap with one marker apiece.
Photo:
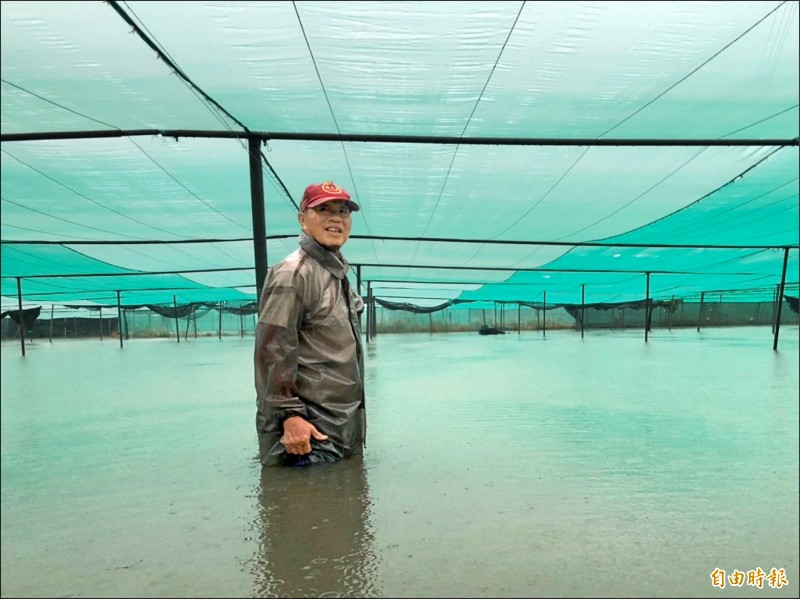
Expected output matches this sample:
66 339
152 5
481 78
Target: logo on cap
331 187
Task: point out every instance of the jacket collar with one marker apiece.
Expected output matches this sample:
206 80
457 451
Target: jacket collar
333 262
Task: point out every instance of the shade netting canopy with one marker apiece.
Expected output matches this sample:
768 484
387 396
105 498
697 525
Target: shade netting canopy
499 150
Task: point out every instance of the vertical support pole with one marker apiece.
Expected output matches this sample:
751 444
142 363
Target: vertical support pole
647 308
544 313
177 325
700 310
101 323
259 218
241 325
358 290
188 321
119 318
583 306
775 300
194 320
780 298
669 312
430 322
369 310
21 318
51 322
374 316
219 308
719 311
519 318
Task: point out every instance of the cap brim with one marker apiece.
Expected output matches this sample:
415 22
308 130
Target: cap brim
351 204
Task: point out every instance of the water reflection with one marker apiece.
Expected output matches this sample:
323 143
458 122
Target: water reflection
315 539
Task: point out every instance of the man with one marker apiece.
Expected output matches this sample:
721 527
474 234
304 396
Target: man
309 365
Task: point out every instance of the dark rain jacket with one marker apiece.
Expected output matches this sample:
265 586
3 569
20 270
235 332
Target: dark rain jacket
308 355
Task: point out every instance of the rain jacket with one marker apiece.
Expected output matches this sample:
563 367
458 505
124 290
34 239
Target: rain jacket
308 355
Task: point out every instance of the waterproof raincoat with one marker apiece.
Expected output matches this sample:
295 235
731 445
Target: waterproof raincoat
308 355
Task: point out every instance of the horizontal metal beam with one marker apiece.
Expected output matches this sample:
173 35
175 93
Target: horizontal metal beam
127 274
600 244
265 136
386 266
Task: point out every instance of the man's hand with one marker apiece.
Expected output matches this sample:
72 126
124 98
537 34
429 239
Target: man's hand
297 433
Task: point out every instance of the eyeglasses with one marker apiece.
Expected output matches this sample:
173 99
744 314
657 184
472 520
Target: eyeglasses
342 210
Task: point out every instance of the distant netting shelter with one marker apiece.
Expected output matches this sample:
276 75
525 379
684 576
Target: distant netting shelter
529 155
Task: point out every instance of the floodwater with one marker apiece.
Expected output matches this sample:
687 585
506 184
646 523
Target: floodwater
500 466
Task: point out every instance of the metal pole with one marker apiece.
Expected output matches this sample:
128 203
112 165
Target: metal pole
177 326
374 317
775 300
119 319
406 139
21 318
220 320
669 312
370 324
188 318
358 290
700 311
583 306
519 318
647 308
259 218
101 323
51 322
544 313
780 298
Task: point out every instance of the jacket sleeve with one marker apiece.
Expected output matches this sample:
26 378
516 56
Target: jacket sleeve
276 353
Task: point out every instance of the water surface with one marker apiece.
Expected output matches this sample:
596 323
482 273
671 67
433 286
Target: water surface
500 466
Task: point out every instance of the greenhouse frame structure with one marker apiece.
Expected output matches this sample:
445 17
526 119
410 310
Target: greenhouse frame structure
561 153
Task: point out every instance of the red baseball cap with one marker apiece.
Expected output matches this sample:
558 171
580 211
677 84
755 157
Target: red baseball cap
319 193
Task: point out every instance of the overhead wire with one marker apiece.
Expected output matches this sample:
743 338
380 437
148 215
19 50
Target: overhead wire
464 130
214 107
335 121
66 220
527 257
87 198
693 71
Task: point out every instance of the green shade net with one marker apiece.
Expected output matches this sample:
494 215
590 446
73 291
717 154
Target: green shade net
168 218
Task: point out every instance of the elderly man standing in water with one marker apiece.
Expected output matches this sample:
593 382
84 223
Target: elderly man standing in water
309 365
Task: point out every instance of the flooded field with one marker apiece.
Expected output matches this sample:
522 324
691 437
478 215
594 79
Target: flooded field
496 466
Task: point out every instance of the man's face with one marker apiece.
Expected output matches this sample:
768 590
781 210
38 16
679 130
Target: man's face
328 223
